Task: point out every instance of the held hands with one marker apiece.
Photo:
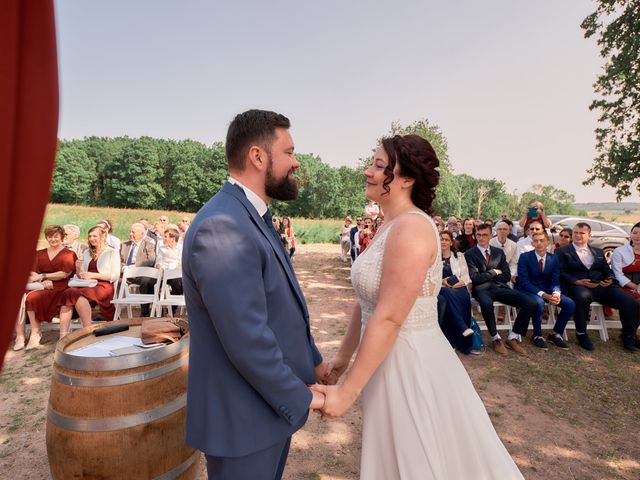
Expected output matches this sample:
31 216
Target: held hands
337 399
606 283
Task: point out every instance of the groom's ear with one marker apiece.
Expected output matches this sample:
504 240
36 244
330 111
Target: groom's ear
257 158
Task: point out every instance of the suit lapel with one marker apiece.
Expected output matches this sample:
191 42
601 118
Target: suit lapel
284 260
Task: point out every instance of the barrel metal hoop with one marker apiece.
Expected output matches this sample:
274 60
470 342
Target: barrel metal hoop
121 379
180 469
115 423
101 364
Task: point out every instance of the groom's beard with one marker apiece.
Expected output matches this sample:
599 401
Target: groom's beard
283 189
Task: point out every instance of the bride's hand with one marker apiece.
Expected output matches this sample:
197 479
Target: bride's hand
335 369
337 399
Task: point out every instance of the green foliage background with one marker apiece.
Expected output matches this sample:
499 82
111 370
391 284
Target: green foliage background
160 174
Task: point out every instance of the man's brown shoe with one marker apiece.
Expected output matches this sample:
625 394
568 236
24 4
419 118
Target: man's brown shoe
498 347
515 346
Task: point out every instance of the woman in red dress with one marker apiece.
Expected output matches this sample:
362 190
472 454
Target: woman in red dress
53 267
100 263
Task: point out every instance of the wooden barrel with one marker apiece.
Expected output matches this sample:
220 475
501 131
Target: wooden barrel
119 417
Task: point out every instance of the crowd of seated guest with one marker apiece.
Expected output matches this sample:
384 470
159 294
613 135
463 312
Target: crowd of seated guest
95 268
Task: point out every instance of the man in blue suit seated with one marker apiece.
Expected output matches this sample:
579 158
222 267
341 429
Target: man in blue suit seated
539 277
586 277
252 355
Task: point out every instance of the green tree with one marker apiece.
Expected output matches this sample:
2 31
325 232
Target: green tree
73 175
617 164
133 176
196 172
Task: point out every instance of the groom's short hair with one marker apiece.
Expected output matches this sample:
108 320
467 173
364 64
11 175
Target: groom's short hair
253 127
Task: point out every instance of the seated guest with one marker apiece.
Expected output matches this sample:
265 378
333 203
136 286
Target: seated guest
439 224
454 302
140 251
510 249
535 212
345 243
170 257
159 227
53 267
512 232
71 234
524 244
354 238
149 233
490 274
112 241
467 239
366 234
586 277
100 263
453 226
489 222
183 226
539 277
625 263
564 237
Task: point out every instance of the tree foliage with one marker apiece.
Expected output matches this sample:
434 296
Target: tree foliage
617 26
73 176
182 175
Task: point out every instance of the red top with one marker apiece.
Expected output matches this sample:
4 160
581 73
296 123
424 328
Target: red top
633 267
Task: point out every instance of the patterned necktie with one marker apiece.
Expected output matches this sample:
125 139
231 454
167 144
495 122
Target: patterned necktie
541 265
268 219
487 256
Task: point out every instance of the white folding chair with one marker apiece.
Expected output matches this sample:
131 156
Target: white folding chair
509 315
597 321
126 297
166 298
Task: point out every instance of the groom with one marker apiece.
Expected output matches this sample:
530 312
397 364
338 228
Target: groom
251 350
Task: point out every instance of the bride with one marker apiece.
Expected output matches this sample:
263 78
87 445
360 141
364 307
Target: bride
422 418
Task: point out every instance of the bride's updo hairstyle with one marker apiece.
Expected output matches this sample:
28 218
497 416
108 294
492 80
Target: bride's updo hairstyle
416 159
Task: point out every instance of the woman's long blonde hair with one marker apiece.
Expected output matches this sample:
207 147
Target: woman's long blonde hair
93 251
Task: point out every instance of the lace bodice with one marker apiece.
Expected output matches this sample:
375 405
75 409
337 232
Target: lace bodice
366 274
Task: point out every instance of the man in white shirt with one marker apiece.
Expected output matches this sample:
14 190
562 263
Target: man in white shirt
524 244
509 247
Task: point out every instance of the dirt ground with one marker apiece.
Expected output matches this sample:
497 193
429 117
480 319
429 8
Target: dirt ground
561 415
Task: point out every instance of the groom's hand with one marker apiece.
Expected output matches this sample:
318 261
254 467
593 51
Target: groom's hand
337 400
317 400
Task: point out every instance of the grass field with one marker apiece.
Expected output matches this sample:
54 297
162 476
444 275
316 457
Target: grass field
307 231
622 216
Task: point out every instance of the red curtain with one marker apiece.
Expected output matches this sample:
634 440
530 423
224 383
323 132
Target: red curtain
28 140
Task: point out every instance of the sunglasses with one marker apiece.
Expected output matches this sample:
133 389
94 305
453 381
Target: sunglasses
565 236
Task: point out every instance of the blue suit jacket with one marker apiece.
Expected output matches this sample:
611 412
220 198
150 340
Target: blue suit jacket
532 280
251 350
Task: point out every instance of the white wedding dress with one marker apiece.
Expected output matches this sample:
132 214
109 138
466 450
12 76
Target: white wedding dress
422 418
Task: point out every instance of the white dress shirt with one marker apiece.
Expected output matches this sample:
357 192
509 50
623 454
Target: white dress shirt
170 258
585 255
253 198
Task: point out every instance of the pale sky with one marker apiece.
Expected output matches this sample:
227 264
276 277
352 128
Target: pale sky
508 82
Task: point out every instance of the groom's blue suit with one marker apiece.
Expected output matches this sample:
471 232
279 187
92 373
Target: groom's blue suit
251 353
